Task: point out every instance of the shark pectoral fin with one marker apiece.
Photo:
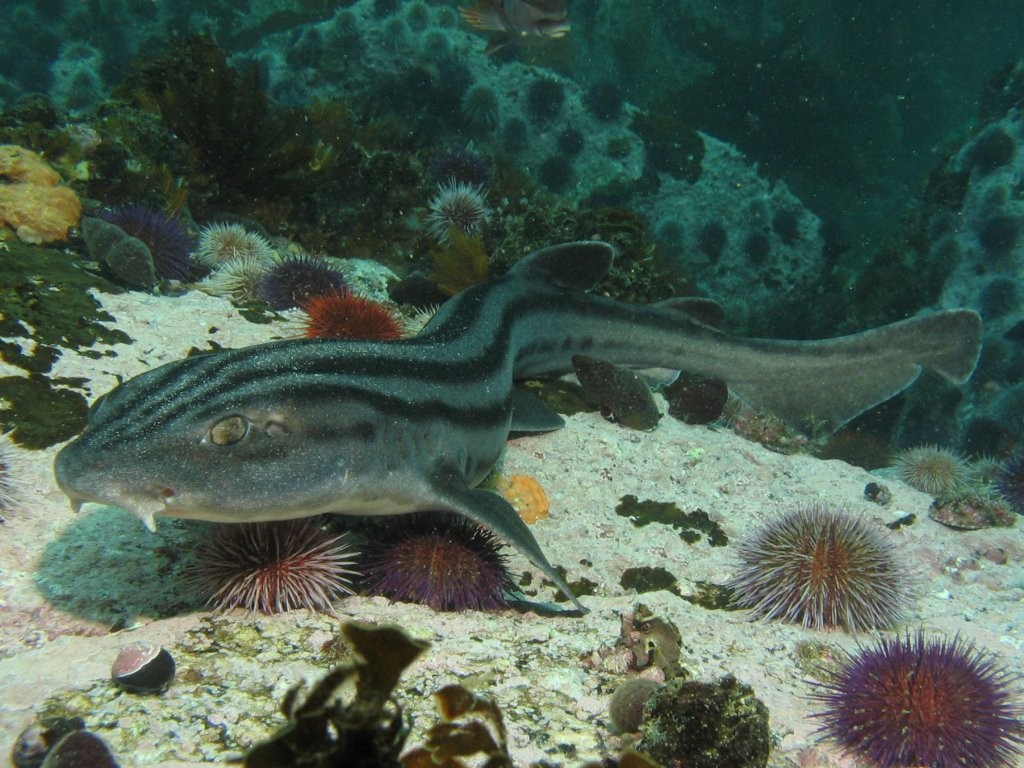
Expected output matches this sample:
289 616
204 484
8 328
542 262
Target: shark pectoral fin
578 265
497 515
833 380
531 415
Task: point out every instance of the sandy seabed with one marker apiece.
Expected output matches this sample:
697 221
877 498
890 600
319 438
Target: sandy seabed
74 588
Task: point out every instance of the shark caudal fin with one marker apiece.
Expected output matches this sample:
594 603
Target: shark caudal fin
831 381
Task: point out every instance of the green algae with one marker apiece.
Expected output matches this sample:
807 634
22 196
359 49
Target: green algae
40 413
714 597
706 725
44 296
45 300
645 579
689 524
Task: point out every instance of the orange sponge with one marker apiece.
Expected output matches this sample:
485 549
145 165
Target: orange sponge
526 495
32 202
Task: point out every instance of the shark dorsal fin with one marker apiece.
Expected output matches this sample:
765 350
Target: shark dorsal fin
577 265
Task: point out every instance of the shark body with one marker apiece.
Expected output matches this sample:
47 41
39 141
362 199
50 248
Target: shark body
302 427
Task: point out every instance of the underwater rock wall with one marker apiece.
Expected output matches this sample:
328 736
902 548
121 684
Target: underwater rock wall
748 242
977 234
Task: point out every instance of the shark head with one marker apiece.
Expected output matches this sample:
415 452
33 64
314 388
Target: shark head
221 437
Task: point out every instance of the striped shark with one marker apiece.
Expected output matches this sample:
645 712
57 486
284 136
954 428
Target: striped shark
303 427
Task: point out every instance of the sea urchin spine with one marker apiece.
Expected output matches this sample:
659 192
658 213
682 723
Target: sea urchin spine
822 567
343 315
908 701
274 567
437 559
457 205
933 470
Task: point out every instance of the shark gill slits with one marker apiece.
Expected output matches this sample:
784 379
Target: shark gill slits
229 430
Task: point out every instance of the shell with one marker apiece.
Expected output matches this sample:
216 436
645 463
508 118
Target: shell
143 667
971 513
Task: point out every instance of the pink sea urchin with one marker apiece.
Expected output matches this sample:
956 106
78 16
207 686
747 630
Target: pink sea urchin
908 701
274 567
457 205
438 559
822 567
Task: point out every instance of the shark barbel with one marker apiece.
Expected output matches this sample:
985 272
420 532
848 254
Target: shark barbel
303 427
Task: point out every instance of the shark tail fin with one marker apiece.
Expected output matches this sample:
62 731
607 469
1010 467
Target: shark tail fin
831 381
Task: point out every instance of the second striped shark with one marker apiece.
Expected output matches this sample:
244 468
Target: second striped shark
303 427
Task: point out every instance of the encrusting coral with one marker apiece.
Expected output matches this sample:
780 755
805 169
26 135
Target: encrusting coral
32 201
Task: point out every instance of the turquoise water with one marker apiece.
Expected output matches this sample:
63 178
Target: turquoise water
811 169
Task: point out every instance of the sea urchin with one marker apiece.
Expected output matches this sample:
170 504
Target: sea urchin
273 567
822 567
457 205
10 484
220 243
438 559
165 236
910 701
343 315
296 279
932 469
1010 483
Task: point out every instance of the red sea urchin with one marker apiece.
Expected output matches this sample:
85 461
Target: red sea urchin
273 567
437 559
822 567
908 701
343 315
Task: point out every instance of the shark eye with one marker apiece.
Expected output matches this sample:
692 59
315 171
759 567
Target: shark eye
229 430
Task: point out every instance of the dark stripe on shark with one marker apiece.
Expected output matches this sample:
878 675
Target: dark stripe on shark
419 360
316 394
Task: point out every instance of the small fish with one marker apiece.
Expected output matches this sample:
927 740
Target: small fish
519 18
620 392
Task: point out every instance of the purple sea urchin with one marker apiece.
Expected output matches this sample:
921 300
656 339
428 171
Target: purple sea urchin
822 567
1010 483
166 237
296 279
437 559
274 567
932 469
459 165
480 108
910 701
457 205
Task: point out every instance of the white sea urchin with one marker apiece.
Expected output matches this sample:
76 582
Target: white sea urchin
221 244
457 205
